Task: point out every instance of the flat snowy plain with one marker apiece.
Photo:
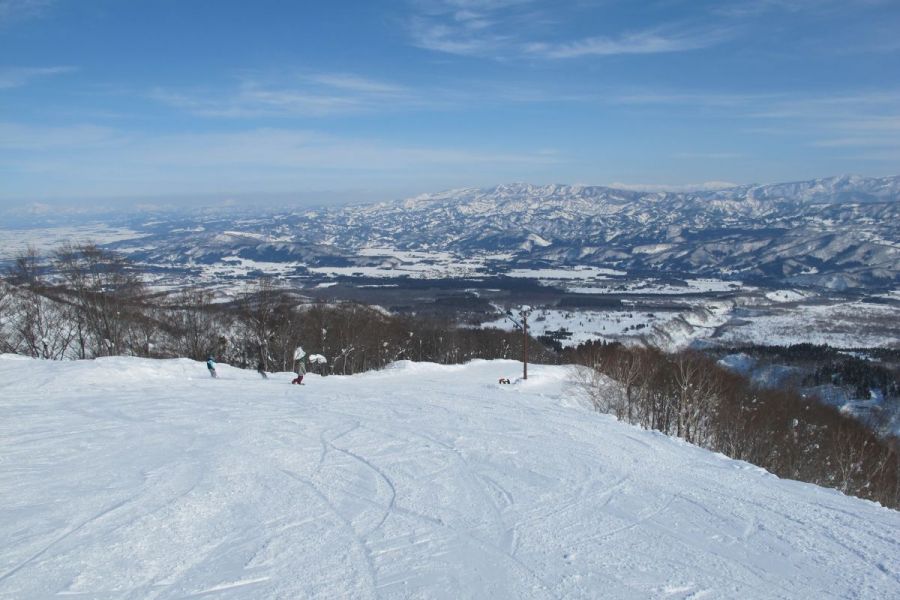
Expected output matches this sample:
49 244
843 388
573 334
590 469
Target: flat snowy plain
132 478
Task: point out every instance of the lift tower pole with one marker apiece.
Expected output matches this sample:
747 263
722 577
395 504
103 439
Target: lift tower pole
524 311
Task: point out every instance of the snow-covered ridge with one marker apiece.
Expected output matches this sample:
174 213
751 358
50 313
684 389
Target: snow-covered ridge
836 233
837 189
140 478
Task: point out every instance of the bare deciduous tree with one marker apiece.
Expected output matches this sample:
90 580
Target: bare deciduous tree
195 323
6 317
104 291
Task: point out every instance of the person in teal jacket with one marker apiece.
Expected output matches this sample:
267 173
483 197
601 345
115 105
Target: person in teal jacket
211 365
300 370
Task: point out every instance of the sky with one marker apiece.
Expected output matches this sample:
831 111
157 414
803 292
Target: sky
124 100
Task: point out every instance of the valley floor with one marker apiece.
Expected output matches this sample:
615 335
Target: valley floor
131 478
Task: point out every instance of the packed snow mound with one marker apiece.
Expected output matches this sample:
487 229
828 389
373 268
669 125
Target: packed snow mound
149 479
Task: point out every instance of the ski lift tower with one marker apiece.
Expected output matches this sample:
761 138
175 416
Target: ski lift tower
522 323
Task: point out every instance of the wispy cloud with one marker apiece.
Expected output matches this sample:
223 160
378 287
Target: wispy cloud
323 95
358 84
862 104
858 142
305 95
304 148
863 120
13 77
859 119
749 8
853 130
21 137
889 157
538 29
493 28
44 162
651 41
830 27
524 29
689 99
708 155
18 10
463 28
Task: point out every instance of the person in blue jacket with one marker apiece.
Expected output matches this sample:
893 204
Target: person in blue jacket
211 365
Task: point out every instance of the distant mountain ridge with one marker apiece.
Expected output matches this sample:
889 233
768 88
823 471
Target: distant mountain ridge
837 232
842 188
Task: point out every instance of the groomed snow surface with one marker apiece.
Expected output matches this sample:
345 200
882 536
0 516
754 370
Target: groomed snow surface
131 478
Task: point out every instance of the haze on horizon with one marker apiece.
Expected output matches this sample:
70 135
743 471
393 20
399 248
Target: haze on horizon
373 100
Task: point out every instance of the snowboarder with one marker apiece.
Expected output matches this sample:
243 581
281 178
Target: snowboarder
300 365
300 370
261 369
211 365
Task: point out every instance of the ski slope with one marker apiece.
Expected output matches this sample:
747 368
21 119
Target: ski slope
132 478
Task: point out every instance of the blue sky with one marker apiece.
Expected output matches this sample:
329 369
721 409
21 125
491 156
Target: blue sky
138 99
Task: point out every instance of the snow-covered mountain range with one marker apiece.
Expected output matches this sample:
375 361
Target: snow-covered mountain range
836 232
136 478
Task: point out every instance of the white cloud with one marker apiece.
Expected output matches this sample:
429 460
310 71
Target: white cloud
652 41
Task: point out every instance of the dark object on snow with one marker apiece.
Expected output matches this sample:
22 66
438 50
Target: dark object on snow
504 380
211 365
261 369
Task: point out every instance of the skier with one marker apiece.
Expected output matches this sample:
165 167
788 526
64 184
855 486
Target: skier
211 365
261 369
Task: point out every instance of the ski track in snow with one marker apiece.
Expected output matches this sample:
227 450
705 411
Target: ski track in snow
130 478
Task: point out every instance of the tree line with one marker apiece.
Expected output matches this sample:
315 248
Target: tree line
688 395
86 302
